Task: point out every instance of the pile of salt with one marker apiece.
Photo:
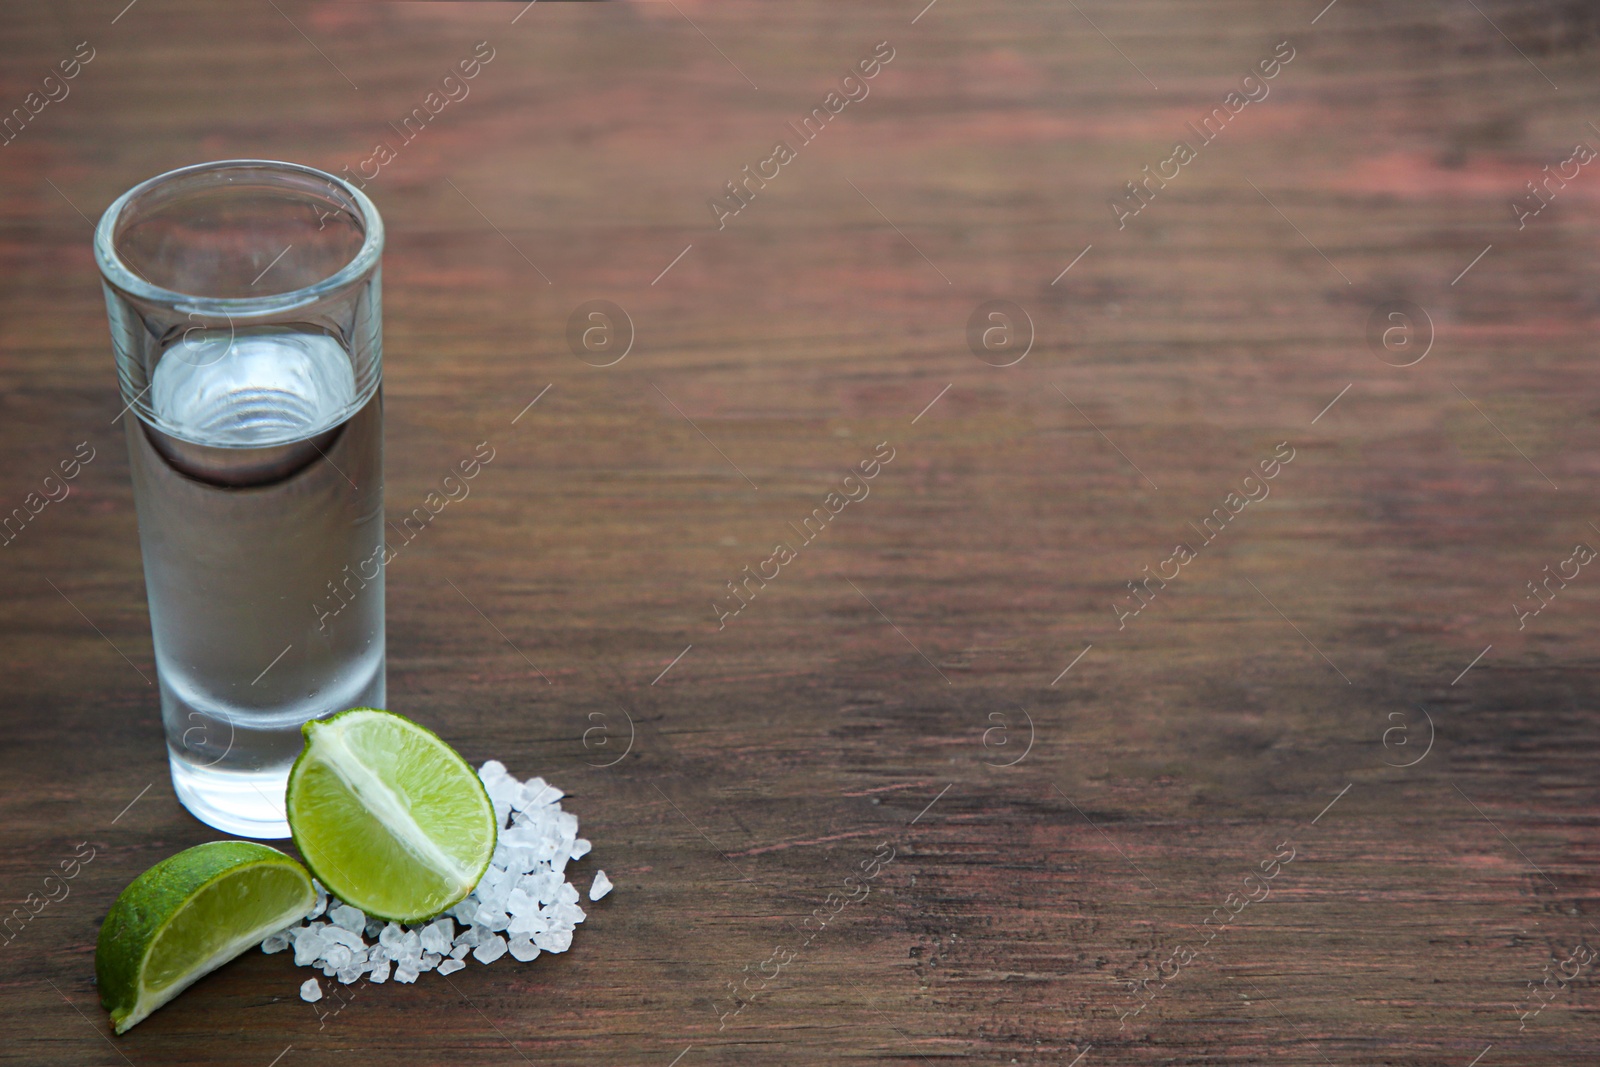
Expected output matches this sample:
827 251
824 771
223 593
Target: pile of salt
522 906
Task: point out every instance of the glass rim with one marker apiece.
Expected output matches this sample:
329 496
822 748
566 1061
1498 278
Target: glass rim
119 274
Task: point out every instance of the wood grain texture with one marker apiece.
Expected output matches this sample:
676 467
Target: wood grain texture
899 660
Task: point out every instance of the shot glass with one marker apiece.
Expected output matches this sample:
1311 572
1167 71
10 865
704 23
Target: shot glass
244 298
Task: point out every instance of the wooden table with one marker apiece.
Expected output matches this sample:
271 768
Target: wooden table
1074 794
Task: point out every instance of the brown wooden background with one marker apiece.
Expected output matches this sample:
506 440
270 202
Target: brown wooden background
773 757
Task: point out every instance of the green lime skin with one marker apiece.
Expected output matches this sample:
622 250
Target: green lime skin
388 816
188 915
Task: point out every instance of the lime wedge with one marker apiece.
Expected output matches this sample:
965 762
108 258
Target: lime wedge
388 816
187 916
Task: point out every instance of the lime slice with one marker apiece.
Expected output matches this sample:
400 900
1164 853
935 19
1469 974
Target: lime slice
388 816
187 916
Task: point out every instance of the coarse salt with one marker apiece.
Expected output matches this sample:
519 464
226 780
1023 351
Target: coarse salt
522 907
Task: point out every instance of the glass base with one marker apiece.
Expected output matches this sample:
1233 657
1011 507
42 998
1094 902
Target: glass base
244 803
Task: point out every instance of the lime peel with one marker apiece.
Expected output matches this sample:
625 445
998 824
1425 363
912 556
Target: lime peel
188 915
388 816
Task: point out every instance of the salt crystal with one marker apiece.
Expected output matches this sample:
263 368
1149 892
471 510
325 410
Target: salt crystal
430 960
527 924
310 991
275 942
327 969
522 949
390 937
490 950
338 935
437 935
554 940
405 971
491 905
338 956
521 902
569 914
536 794
503 790
497 881
380 973
519 835
491 919
308 946
349 973
373 928
450 966
601 886
492 769
580 848
348 918
411 944
322 900
567 894
457 952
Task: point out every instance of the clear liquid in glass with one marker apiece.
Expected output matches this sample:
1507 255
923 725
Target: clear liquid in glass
261 519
